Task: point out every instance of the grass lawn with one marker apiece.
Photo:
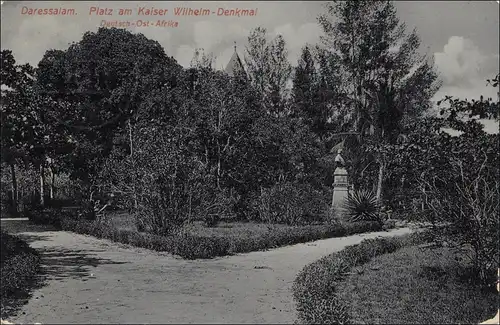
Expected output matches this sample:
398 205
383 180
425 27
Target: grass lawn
241 230
417 286
199 241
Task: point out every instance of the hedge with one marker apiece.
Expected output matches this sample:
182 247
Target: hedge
19 263
185 245
191 246
314 288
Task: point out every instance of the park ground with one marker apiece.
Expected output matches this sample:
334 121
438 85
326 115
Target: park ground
88 280
423 284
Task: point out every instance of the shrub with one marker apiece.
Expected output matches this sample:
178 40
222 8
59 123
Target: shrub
158 217
314 289
162 179
333 216
140 223
389 224
278 237
290 204
88 210
455 178
362 206
211 220
469 208
19 264
194 247
50 216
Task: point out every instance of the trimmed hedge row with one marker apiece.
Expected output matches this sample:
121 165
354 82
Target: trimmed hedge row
19 263
190 246
315 287
300 234
185 245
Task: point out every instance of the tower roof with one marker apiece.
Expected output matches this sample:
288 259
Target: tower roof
234 64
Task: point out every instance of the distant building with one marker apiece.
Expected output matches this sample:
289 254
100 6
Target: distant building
235 64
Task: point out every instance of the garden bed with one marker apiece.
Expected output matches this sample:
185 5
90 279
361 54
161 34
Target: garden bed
19 264
195 242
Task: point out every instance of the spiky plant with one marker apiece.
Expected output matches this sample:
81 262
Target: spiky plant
362 206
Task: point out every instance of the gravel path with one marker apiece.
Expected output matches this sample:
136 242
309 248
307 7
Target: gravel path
89 280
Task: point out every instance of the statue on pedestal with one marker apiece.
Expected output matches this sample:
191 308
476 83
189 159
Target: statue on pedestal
339 160
340 184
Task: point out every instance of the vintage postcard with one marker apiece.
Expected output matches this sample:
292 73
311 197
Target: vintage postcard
266 162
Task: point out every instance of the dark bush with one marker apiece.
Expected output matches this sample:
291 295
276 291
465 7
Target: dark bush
156 216
314 289
49 216
289 203
140 223
87 211
19 264
11 246
211 220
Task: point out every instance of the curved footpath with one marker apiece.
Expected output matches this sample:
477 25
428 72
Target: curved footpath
89 280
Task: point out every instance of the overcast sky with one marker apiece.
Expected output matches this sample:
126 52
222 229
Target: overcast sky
462 36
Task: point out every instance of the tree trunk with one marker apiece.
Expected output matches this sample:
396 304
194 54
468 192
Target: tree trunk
190 205
206 157
51 184
219 123
20 205
218 166
14 189
133 163
379 183
42 184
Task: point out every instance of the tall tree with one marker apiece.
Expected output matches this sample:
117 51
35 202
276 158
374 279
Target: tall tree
279 78
311 93
386 79
202 60
26 134
304 84
10 119
257 58
269 69
106 82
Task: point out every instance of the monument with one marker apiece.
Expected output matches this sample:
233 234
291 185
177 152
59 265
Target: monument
341 185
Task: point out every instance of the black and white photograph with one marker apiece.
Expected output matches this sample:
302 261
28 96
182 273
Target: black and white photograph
250 162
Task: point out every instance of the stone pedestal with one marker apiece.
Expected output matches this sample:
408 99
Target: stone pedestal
341 189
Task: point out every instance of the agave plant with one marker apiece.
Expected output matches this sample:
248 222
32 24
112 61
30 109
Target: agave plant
362 206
